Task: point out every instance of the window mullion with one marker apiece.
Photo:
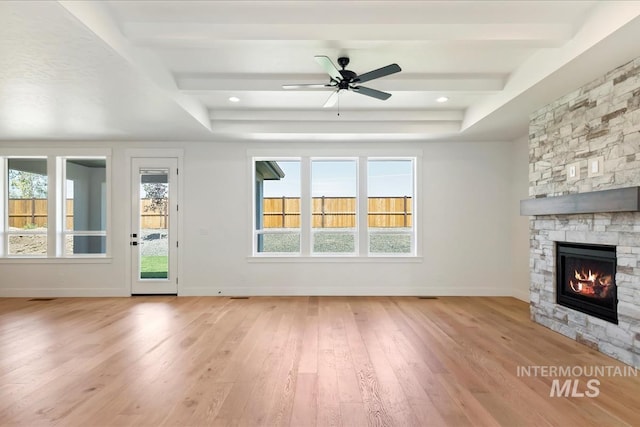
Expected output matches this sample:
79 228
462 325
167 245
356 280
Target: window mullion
363 208
414 207
256 210
52 206
305 206
107 209
61 211
4 224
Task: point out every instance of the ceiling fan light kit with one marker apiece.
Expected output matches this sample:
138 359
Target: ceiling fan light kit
347 80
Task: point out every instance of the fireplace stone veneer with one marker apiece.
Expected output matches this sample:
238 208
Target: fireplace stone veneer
600 120
621 341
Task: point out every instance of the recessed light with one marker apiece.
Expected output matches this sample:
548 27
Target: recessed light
442 99
234 99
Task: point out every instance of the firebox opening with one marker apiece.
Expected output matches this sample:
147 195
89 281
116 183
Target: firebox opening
585 279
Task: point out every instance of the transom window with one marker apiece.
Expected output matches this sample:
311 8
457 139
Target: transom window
334 206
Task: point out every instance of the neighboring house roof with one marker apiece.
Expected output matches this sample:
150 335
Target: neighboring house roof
269 170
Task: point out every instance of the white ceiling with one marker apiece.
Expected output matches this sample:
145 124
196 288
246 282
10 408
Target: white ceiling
164 70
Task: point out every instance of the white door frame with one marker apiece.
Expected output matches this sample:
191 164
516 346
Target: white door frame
130 154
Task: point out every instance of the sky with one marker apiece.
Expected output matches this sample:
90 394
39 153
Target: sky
337 178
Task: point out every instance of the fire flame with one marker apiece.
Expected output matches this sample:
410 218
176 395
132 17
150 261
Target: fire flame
589 278
590 284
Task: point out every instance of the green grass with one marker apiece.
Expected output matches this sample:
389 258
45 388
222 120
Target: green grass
380 243
154 267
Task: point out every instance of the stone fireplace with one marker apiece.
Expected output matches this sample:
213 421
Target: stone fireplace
584 179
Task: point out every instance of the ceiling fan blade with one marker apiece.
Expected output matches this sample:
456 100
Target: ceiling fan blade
372 92
331 101
328 66
380 72
306 86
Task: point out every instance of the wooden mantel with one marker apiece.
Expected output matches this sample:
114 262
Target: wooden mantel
617 200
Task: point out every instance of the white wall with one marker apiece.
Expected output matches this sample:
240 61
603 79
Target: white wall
520 225
466 222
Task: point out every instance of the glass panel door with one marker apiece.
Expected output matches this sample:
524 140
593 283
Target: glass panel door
153 237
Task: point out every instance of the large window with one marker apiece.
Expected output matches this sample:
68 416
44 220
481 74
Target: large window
390 204
53 206
85 215
334 192
330 206
277 185
27 206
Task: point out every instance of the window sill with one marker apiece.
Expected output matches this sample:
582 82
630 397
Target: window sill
61 260
335 259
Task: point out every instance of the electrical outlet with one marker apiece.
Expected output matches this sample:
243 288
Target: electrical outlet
573 171
595 166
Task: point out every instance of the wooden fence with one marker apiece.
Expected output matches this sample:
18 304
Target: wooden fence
279 212
33 213
151 218
338 212
30 212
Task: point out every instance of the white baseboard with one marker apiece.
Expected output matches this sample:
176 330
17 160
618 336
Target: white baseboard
521 295
341 291
268 291
63 292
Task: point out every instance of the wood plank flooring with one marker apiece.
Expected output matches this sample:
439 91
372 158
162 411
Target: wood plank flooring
293 361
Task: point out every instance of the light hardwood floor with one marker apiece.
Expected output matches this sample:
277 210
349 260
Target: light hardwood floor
296 361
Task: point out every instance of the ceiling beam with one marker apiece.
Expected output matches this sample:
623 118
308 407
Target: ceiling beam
263 127
440 134
193 33
96 17
347 12
345 115
400 82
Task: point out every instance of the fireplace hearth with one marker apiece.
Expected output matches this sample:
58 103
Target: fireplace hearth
585 279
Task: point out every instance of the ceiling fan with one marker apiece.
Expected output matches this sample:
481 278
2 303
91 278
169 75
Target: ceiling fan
347 80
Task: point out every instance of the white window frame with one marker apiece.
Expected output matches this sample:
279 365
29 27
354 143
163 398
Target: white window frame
355 232
4 192
62 217
362 229
412 230
5 211
55 196
254 207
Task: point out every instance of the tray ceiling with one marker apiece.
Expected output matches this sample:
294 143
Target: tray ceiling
147 70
